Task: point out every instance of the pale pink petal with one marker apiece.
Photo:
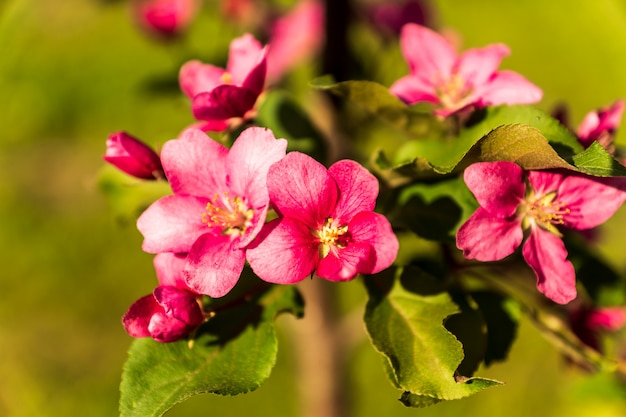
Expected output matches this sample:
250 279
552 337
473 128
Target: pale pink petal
587 129
195 77
187 167
179 304
214 265
545 182
243 56
429 55
284 252
506 87
590 202
485 237
476 66
172 224
599 122
169 269
255 80
343 264
498 186
412 89
547 256
223 102
375 230
301 188
137 319
358 189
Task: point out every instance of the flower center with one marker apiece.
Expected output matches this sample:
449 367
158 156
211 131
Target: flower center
452 91
331 235
229 213
226 78
546 211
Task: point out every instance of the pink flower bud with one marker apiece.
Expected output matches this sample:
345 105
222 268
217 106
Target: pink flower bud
165 17
133 157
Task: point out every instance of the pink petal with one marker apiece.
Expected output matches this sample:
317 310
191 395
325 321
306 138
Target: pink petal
606 318
169 269
485 237
255 80
412 89
137 318
596 123
498 186
429 55
186 167
374 230
164 328
477 65
172 224
223 102
544 182
301 188
343 264
214 265
284 252
132 156
358 189
507 87
195 77
179 304
243 56
546 255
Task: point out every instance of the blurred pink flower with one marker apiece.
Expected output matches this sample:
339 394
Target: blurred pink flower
600 125
172 311
452 82
390 17
165 17
219 95
295 37
130 155
513 202
588 323
326 223
219 205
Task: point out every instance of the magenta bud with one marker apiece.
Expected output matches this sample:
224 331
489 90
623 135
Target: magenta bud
167 18
130 155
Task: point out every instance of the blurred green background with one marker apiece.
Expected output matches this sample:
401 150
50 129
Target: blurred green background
72 72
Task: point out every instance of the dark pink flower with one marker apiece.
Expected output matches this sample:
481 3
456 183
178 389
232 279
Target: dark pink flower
219 95
588 323
452 82
295 37
165 17
514 203
600 126
219 204
390 17
130 155
326 223
172 311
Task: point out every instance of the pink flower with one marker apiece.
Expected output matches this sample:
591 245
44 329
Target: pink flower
391 17
172 311
295 37
219 204
220 95
130 155
600 126
452 82
325 226
588 323
165 17
514 203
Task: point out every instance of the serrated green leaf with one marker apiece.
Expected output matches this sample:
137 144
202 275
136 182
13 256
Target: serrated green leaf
407 329
595 160
233 353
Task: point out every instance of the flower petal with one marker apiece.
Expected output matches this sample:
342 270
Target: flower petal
375 230
223 102
214 265
164 328
284 252
507 87
497 186
546 255
358 189
243 56
429 55
169 269
301 188
186 167
179 304
485 237
255 80
195 77
172 224
343 264
477 65
137 318
412 89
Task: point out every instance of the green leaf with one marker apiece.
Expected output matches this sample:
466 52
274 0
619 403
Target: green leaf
407 328
233 353
595 160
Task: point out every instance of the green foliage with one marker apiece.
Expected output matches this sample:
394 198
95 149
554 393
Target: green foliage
232 353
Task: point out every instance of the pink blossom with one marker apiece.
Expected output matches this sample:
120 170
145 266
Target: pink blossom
219 95
514 203
172 311
589 322
165 17
392 16
452 82
326 223
295 37
219 204
130 155
600 126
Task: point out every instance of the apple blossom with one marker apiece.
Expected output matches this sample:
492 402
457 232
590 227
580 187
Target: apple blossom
589 322
600 126
130 155
326 223
165 17
514 203
452 82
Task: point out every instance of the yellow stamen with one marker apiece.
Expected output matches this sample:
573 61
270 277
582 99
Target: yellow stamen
330 235
231 214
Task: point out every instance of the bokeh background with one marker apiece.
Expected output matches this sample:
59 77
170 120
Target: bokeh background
74 71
